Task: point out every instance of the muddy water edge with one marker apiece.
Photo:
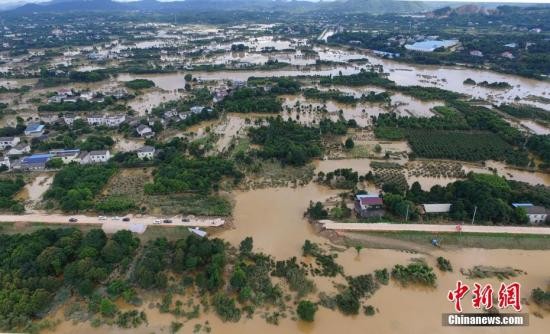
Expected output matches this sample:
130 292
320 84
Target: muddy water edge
274 218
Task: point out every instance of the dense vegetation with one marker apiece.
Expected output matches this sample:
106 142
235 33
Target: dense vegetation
491 194
8 188
414 273
202 175
139 84
36 266
247 100
468 146
362 78
76 186
276 85
288 141
541 298
540 144
525 111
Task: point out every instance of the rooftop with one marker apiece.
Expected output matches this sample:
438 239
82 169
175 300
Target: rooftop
146 149
535 210
34 127
36 159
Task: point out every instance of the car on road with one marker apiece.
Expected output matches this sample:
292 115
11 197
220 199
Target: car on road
167 221
73 220
102 218
125 219
185 220
116 218
157 221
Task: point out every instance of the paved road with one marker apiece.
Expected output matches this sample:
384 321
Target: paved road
330 225
38 217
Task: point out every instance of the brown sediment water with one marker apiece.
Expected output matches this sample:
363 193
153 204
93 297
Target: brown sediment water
449 78
273 217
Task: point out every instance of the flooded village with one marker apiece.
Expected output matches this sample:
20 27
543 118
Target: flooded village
159 176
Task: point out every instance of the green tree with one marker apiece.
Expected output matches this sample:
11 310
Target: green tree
349 144
246 246
306 310
107 308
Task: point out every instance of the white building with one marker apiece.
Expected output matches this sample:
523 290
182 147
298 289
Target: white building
146 152
95 119
19 149
69 120
94 157
8 142
66 156
5 162
110 121
144 131
536 214
114 121
99 156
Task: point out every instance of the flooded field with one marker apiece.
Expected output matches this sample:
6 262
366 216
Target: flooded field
450 78
273 217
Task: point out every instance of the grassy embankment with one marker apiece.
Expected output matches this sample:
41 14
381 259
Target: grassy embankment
470 240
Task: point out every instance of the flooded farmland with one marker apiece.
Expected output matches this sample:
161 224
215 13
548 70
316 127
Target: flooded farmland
450 78
273 217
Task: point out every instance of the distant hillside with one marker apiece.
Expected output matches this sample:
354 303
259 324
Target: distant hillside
365 6
463 10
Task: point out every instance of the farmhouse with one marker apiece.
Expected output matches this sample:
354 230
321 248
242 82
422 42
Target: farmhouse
368 205
144 131
536 214
146 152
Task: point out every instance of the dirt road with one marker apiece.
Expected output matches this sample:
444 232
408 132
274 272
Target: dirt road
330 225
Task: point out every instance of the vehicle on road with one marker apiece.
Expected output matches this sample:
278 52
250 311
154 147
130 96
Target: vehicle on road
102 218
185 220
116 218
167 221
73 220
157 221
125 219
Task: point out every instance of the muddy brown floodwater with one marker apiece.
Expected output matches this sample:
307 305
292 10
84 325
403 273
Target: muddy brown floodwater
274 218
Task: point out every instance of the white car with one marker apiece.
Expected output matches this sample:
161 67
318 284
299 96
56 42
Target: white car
157 221
102 218
116 218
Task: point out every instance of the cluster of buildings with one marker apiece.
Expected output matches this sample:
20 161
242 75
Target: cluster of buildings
38 161
372 205
67 95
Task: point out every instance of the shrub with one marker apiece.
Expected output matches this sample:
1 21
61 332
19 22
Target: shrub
306 310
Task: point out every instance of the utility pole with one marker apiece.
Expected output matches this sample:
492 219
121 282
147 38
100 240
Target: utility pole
474 216
407 214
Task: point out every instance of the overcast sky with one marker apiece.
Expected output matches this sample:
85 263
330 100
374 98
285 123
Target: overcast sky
528 1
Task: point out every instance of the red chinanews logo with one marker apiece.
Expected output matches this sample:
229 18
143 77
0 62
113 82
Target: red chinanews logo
508 295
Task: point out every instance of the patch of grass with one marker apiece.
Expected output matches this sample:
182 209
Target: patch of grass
13 228
359 151
194 204
472 240
171 233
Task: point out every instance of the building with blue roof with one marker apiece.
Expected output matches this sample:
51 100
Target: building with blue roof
34 130
522 205
34 162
